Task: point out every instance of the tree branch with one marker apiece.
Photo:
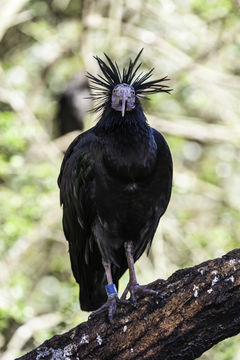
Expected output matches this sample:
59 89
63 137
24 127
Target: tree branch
201 307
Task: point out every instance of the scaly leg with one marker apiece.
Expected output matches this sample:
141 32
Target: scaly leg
111 303
133 287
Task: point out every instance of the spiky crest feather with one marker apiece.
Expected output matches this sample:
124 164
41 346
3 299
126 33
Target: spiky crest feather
101 86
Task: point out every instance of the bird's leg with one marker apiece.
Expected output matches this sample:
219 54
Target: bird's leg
111 290
133 287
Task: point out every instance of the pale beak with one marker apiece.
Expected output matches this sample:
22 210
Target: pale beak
123 103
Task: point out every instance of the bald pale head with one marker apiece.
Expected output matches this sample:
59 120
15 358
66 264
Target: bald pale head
123 98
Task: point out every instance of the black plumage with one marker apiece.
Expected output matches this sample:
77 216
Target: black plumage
115 184
73 103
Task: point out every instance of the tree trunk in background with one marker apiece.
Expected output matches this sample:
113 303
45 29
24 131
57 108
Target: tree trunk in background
201 307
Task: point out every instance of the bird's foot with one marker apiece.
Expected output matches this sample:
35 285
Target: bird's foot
135 290
109 306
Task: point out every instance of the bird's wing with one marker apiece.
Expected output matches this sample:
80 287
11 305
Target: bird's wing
164 168
76 182
77 195
159 182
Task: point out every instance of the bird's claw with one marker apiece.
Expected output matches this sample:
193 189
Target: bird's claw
109 306
135 289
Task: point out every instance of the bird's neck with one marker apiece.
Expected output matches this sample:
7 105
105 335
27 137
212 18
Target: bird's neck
133 124
131 148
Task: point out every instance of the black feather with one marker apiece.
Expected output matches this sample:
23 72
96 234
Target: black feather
101 87
115 183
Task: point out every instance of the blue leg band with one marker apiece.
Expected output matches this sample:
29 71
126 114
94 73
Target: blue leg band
111 289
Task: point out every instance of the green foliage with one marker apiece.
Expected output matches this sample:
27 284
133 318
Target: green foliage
43 46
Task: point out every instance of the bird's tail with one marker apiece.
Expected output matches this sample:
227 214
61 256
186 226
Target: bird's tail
92 292
92 280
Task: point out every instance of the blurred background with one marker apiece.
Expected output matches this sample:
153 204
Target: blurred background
46 47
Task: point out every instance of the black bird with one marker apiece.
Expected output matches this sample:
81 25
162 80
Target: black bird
115 184
73 103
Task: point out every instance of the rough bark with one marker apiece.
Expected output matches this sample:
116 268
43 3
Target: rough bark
201 307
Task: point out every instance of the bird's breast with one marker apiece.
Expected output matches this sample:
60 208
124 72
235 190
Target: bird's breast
131 161
131 187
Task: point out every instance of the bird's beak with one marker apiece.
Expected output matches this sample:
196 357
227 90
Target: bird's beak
123 98
123 103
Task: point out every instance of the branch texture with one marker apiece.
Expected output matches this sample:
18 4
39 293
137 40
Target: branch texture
201 307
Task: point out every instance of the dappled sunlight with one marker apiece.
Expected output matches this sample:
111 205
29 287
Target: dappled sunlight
45 44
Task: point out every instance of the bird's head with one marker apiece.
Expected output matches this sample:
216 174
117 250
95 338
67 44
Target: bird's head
123 98
120 90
